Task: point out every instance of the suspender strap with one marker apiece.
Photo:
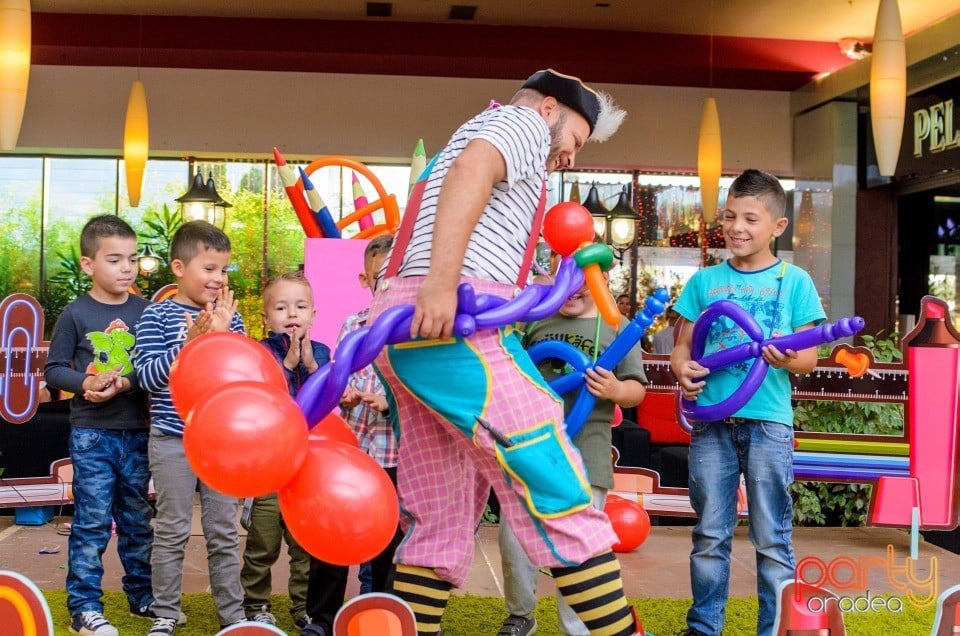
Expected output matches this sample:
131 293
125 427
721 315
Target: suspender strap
534 237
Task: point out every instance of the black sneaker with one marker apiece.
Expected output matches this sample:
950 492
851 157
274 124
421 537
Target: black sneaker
163 627
92 623
314 629
518 626
146 611
302 621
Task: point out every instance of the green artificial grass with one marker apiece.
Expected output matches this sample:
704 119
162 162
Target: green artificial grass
482 615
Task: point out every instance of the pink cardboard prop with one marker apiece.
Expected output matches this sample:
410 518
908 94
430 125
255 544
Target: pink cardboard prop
331 266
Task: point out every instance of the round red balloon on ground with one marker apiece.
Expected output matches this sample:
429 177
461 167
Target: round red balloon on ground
245 439
567 226
215 359
335 429
341 506
629 520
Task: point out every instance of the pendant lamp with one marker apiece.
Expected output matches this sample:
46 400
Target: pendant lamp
709 159
14 68
888 86
598 211
136 142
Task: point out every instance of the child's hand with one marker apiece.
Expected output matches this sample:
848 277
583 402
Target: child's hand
306 353
105 385
351 397
374 401
226 307
776 359
197 326
102 380
603 384
292 360
690 384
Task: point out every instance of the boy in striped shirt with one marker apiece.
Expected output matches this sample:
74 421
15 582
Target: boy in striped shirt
199 256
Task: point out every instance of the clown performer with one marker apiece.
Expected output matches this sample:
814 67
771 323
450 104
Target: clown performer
474 412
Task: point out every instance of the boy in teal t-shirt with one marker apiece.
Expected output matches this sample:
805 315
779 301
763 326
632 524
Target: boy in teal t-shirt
758 440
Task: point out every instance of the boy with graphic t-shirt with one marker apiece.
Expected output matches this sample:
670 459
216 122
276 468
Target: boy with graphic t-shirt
90 356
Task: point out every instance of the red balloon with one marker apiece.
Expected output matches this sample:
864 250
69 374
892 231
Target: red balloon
215 359
246 439
335 429
341 505
567 226
629 520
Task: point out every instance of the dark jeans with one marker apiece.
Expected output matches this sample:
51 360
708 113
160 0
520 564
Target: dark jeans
327 586
110 477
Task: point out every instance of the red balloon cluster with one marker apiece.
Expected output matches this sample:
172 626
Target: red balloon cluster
629 520
246 437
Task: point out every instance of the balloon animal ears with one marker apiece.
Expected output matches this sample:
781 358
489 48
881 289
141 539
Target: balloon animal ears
375 614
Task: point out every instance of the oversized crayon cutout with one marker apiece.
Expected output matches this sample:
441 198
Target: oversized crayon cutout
387 202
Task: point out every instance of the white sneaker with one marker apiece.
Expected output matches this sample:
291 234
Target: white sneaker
92 623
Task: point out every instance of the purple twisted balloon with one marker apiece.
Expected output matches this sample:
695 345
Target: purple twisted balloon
321 393
827 332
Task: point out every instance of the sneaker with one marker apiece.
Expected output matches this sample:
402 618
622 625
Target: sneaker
263 616
146 611
163 627
518 626
92 623
314 629
302 621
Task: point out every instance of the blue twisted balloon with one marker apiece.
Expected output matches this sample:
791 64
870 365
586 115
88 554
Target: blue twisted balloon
798 341
321 393
611 357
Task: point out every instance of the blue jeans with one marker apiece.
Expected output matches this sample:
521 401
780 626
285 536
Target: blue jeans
719 452
110 477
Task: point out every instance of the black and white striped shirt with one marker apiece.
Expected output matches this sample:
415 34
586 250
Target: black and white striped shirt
499 240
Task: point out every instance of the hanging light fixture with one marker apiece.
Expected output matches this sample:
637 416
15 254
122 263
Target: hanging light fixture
709 150
598 211
202 202
623 222
136 142
14 68
888 86
709 159
148 261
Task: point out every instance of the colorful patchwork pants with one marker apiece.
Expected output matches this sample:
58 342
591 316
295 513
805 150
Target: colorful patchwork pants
448 463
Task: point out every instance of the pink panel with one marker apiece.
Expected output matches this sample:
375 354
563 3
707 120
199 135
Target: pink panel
332 266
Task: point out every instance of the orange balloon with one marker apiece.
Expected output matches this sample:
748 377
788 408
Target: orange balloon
341 505
597 285
629 520
216 359
245 439
335 429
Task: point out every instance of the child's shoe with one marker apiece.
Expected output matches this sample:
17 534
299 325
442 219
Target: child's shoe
263 616
163 627
146 611
92 623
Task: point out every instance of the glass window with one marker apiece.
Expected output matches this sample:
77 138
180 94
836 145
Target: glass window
74 191
21 193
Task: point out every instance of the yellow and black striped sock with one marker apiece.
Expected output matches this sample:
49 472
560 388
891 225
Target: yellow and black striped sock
425 592
595 592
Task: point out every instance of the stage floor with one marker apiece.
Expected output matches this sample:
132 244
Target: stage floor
658 568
